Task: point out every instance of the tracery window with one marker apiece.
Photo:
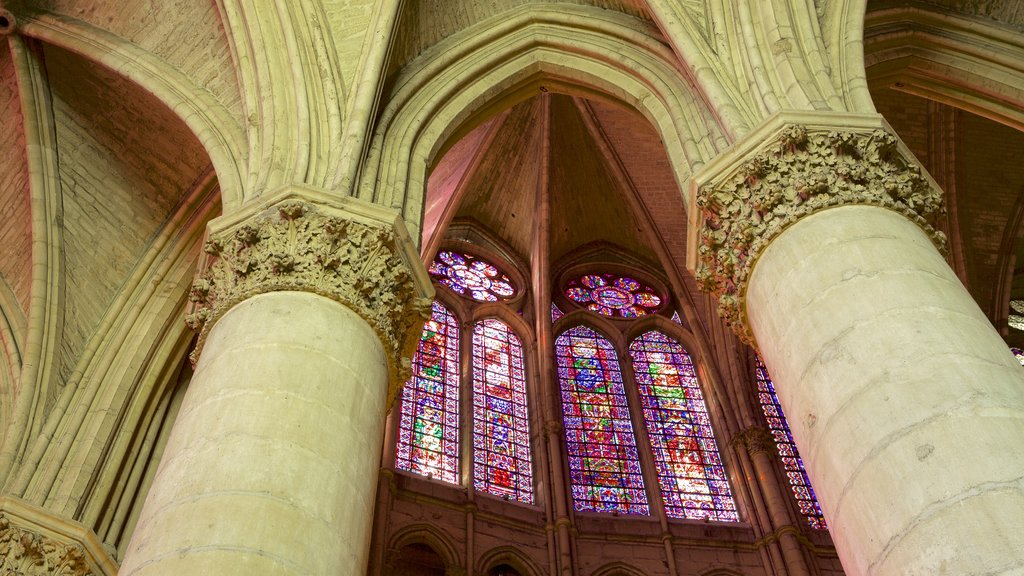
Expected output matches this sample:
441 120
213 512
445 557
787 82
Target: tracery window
428 432
603 452
471 276
613 295
791 461
501 442
428 438
690 472
604 465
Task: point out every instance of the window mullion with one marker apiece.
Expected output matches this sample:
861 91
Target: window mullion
643 439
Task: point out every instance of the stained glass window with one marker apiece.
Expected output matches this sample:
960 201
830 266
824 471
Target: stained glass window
556 313
1019 354
1016 317
428 431
501 441
791 461
604 466
676 318
613 295
690 471
471 276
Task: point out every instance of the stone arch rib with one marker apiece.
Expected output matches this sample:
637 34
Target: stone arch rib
462 80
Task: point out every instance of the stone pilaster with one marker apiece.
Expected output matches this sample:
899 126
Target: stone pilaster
34 542
300 239
793 166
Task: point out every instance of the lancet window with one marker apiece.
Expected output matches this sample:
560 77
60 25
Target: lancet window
428 439
604 450
604 465
690 472
428 432
501 438
806 501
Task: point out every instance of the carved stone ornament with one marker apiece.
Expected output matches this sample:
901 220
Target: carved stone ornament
755 439
350 253
34 542
800 171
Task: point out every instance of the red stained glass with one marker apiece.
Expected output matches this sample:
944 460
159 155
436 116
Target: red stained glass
604 465
501 447
428 431
807 502
693 481
613 295
471 276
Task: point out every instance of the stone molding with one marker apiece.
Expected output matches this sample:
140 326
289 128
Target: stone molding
795 165
756 440
356 253
35 542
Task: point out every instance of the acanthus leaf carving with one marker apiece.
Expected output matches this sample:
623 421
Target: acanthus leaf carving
802 171
302 246
27 553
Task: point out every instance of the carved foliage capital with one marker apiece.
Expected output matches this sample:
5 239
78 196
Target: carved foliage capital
307 246
755 440
33 542
799 172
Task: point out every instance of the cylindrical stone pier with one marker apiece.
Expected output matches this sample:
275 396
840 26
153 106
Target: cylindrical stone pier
904 401
272 462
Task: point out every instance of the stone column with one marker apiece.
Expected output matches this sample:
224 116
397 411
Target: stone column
760 446
308 306
815 235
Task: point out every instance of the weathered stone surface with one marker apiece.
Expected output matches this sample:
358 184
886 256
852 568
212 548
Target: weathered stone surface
799 172
351 254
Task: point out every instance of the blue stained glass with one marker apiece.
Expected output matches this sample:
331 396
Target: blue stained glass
428 427
471 276
603 462
501 462
1019 354
791 462
692 479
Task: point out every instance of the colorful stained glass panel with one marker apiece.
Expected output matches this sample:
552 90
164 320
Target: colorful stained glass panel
806 501
604 466
501 446
556 313
471 276
428 430
613 295
1019 354
693 481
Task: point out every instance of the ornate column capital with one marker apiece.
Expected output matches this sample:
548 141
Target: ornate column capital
754 440
348 250
796 164
34 542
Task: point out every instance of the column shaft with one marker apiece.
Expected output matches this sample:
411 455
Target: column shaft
903 399
271 465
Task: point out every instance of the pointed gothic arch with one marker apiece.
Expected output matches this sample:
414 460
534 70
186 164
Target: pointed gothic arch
510 59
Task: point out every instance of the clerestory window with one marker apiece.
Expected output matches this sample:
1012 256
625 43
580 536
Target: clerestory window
428 439
620 407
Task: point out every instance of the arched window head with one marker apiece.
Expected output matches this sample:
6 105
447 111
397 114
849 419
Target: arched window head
791 461
613 295
471 276
501 439
690 471
428 431
604 466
